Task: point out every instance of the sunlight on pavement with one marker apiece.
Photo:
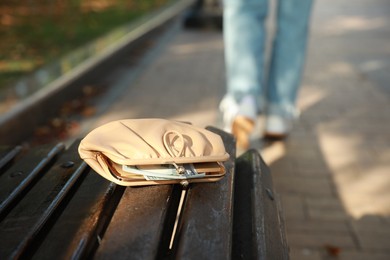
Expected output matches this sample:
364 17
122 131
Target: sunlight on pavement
274 152
312 96
363 186
340 68
372 65
342 24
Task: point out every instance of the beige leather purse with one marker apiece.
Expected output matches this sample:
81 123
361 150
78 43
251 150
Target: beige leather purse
135 152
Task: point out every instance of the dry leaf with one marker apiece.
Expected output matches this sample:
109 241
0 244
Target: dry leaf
333 251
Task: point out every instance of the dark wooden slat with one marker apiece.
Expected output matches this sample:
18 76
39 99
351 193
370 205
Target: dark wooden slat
13 188
23 224
78 229
142 224
258 226
7 156
25 245
207 219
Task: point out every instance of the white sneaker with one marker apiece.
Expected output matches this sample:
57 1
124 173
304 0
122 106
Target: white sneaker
277 127
239 119
229 109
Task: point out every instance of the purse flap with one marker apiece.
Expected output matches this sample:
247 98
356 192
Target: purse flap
137 142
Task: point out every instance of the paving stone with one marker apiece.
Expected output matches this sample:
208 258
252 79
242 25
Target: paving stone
304 254
310 173
362 255
373 232
320 241
325 208
305 186
293 206
317 226
310 165
374 241
371 222
281 168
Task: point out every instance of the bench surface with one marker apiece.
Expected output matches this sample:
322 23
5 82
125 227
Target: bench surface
53 206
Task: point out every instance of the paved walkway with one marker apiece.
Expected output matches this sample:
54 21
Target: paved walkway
333 173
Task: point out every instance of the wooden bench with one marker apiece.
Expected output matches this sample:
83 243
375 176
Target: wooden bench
53 206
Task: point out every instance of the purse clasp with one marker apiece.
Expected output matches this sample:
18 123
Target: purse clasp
179 168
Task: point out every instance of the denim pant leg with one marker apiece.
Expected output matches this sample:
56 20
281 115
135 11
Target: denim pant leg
244 37
288 56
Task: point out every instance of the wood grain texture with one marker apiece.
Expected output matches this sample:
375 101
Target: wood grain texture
142 224
258 231
206 227
24 222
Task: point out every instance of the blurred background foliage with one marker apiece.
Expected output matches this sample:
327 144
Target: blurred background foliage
35 32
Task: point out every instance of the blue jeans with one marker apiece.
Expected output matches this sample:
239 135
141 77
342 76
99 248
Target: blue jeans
244 37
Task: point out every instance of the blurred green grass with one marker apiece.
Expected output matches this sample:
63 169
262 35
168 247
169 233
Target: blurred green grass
36 32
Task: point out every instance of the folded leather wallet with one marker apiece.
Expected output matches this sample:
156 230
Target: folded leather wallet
152 151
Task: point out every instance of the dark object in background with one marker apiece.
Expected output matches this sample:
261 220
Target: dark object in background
204 14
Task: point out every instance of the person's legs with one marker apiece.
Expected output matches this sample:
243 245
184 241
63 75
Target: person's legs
244 37
287 62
